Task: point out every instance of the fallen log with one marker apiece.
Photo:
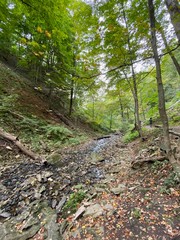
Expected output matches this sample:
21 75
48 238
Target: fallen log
64 119
16 142
138 163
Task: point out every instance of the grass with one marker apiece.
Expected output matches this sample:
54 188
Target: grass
74 200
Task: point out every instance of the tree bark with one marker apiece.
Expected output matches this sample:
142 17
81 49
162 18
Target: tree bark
135 91
161 97
71 98
26 151
173 7
174 60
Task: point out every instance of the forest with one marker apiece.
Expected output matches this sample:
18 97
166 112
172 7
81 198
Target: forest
90 113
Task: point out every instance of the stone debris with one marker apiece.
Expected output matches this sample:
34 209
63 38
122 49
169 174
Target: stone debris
32 195
94 210
118 190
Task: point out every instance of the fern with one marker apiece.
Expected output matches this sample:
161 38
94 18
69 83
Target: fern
58 133
7 102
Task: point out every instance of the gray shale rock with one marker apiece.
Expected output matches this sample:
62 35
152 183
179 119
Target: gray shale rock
120 189
94 210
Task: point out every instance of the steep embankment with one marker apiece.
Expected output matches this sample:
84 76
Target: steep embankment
27 112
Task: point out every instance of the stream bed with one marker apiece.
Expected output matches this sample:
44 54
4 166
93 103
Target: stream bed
26 181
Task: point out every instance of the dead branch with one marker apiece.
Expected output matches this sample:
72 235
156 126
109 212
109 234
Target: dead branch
63 119
15 141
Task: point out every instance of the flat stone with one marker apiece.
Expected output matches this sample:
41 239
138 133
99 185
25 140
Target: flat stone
115 169
47 174
61 203
108 207
96 157
53 228
37 195
94 210
79 212
120 189
42 189
7 232
54 203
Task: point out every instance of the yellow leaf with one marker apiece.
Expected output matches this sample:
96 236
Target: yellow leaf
39 29
48 34
23 40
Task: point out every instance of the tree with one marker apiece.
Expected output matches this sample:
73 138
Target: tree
173 7
161 97
174 60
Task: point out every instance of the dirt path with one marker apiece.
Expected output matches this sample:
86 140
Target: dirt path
119 203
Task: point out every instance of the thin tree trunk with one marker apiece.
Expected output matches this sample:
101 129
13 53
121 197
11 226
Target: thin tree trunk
173 7
142 107
161 97
176 64
135 91
93 110
111 118
121 106
71 98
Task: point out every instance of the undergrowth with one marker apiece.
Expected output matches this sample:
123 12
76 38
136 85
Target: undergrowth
40 134
74 200
130 136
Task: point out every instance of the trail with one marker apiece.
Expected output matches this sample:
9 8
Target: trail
119 203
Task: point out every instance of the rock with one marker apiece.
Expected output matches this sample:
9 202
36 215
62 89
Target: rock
47 174
42 189
5 215
55 159
96 157
37 195
39 177
79 186
108 207
63 226
29 181
54 203
52 228
94 210
2 187
61 203
115 169
120 189
79 212
8 232
30 222
108 178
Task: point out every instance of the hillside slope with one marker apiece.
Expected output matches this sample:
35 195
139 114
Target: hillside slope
26 112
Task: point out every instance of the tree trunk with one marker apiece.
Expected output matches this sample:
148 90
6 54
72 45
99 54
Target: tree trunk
135 91
93 109
161 97
111 119
71 98
176 64
121 106
173 7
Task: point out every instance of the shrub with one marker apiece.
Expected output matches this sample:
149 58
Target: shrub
130 136
74 199
57 133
